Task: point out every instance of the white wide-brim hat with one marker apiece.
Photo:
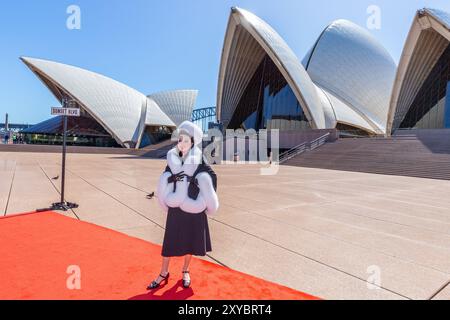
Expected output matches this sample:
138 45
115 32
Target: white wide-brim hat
192 130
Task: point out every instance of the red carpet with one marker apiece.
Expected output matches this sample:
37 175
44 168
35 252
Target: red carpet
37 249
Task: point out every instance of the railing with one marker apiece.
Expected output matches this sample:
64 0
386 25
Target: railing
318 142
285 156
306 146
198 114
203 116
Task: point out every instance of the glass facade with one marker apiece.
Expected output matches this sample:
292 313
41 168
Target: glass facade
447 107
155 134
51 139
81 131
268 102
431 107
347 131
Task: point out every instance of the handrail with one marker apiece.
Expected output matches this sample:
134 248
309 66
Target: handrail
296 147
285 156
314 144
318 142
326 135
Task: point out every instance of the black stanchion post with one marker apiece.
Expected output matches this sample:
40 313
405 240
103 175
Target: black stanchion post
63 170
65 111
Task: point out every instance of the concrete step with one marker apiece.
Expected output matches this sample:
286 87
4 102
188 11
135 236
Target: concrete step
425 155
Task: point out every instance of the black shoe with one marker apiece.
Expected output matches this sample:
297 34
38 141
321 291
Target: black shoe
186 283
155 284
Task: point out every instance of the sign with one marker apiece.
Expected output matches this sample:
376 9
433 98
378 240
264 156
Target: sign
70 112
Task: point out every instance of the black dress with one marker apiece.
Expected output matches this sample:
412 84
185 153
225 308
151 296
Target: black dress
187 233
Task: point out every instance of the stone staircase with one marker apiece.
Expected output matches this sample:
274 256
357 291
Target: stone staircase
422 153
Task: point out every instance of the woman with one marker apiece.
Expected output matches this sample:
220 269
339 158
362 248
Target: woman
186 191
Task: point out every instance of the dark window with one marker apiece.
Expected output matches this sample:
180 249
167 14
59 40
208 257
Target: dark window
447 107
268 102
155 134
347 131
430 109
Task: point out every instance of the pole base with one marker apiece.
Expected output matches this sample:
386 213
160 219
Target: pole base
64 206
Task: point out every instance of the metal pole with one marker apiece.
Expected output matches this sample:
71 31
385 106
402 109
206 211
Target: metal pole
63 205
63 173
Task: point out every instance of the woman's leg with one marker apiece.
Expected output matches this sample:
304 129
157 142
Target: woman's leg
164 269
187 261
165 266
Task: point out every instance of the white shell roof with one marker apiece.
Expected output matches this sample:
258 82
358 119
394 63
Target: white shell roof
119 108
282 56
347 115
153 118
346 77
177 104
351 64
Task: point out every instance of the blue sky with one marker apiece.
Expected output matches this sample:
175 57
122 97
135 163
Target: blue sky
154 45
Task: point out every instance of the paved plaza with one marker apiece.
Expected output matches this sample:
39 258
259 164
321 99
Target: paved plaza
327 233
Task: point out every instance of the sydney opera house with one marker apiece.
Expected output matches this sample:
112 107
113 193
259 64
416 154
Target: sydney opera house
344 81
112 114
421 92
347 81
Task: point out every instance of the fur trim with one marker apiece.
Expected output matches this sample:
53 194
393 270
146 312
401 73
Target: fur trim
193 206
161 190
175 199
207 198
208 193
193 159
174 161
